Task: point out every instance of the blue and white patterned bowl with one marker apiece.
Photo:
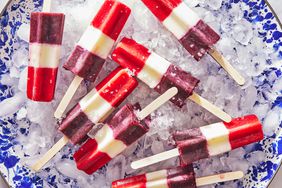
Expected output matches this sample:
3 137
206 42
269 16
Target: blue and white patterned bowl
258 12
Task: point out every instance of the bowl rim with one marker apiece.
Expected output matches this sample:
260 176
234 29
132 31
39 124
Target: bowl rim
279 22
280 25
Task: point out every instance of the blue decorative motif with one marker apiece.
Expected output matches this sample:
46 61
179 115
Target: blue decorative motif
20 177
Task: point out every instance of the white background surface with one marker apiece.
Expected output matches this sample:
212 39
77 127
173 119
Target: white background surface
277 182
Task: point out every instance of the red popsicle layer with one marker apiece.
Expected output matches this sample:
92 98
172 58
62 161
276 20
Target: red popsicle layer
41 83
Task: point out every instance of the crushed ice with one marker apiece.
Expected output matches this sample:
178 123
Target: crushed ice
240 44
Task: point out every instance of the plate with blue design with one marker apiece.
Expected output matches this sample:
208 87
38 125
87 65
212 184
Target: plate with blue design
256 12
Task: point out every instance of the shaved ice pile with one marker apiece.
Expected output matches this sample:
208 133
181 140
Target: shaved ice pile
240 44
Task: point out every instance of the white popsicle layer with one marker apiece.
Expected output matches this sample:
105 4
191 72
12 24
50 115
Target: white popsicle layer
217 141
107 143
157 179
154 69
95 106
96 42
44 55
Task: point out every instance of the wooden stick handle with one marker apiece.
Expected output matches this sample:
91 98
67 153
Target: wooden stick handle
155 159
47 4
210 107
50 154
158 103
227 66
67 97
219 178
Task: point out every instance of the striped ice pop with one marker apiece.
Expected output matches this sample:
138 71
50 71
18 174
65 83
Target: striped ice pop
154 70
218 138
46 34
97 104
97 41
199 143
193 33
181 177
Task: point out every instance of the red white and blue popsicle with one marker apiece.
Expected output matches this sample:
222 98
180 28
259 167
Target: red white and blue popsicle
181 177
160 75
46 34
204 142
91 51
192 32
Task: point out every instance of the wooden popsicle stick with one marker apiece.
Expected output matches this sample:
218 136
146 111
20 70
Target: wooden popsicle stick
227 66
67 97
47 4
210 107
50 154
219 178
147 110
158 102
155 159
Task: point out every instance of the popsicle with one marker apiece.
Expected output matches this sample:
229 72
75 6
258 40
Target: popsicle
92 109
91 51
46 34
199 143
124 128
181 177
192 32
160 75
